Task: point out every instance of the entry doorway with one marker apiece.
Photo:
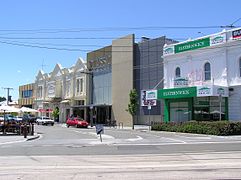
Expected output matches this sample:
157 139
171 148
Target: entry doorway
179 112
102 114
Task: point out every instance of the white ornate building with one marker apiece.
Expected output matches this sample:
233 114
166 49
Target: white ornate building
203 78
63 88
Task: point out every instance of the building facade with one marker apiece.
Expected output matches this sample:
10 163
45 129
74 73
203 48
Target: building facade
148 74
26 95
63 89
202 78
112 79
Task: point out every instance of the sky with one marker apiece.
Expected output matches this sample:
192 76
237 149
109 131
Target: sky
37 35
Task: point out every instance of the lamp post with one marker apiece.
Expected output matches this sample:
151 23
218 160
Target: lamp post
220 106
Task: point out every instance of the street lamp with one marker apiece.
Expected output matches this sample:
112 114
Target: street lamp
220 106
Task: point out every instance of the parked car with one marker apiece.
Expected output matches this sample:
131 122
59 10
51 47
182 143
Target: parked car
18 118
77 122
29 118
44 120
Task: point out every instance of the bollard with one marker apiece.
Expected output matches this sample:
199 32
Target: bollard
25 131
32 129
120 125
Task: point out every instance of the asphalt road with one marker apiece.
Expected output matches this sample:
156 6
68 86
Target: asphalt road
71 153
60 140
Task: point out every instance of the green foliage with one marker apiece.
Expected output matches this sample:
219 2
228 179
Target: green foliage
2 99
55 113
220 128
133 103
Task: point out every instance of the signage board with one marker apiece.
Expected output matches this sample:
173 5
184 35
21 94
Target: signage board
168 50
236 34
195 91
218 90
177 93
217 39
212 91
99 129
151 94
145 101
180 82
192 45
203 91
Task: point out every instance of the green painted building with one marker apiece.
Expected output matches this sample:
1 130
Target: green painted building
194 103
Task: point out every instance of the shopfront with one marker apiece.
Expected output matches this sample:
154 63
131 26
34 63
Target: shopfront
202 103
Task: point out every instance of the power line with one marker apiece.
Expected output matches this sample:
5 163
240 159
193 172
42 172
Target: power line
58 30
89 50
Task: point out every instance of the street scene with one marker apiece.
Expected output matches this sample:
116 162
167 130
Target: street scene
139 90
75 153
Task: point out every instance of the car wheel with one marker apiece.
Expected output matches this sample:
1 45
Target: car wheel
67 126
52 124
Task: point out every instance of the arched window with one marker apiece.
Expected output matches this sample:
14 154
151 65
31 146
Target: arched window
240 67
178 72
207 71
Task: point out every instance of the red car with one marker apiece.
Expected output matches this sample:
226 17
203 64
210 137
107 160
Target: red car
77 122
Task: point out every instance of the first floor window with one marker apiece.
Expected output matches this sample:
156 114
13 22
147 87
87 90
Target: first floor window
79 85
178 72
207 71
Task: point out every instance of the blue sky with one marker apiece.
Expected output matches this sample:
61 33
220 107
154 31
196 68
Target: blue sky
43 24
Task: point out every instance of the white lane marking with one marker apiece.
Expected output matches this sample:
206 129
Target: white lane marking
12 142
176 140
104 136
135 139
170 143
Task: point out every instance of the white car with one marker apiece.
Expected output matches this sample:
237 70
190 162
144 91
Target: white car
44 120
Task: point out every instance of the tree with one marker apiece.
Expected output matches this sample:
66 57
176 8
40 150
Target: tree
2 99
133 104
56 114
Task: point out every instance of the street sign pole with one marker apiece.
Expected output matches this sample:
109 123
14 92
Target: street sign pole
149 114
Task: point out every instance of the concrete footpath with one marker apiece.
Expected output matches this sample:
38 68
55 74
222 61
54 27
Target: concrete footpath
10 139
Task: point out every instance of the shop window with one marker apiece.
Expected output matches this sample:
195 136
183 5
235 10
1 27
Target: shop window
178 72
207 71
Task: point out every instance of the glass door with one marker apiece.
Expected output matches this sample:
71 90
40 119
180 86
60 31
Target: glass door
179 112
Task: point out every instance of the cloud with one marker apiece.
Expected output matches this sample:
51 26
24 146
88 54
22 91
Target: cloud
19 71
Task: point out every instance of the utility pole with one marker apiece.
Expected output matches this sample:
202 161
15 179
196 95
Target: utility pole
8 89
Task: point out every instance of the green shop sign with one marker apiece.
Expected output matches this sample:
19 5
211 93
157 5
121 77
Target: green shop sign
177 93
188 46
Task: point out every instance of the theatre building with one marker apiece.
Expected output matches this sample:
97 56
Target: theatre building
202 78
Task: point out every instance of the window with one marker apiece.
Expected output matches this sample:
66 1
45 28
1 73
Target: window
79 85
178 72
40 91
207 71
239 67
67 88
27 93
